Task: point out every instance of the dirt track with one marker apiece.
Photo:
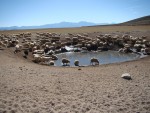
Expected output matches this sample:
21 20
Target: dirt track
26 87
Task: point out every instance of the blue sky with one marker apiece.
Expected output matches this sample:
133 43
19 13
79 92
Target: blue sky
39 12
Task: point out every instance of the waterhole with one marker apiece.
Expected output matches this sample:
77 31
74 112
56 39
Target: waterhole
105 57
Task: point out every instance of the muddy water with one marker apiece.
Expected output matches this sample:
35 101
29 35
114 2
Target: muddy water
103 57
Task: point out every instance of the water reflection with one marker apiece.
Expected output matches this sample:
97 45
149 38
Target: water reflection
103 57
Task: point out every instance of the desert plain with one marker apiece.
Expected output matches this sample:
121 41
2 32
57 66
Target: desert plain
27 87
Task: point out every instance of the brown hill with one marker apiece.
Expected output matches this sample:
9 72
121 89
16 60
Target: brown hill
139 21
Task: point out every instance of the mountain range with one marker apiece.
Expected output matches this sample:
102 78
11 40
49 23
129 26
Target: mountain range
135 22
55 25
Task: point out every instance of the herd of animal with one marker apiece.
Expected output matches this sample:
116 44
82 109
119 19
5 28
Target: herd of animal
45 46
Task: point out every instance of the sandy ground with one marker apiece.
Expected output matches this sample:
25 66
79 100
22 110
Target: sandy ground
26 87
31 88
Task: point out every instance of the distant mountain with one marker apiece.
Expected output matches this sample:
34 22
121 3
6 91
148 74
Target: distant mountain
56 25
139 21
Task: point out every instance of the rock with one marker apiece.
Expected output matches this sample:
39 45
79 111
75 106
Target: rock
126 76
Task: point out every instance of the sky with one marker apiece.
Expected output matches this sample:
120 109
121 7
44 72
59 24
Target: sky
40 12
